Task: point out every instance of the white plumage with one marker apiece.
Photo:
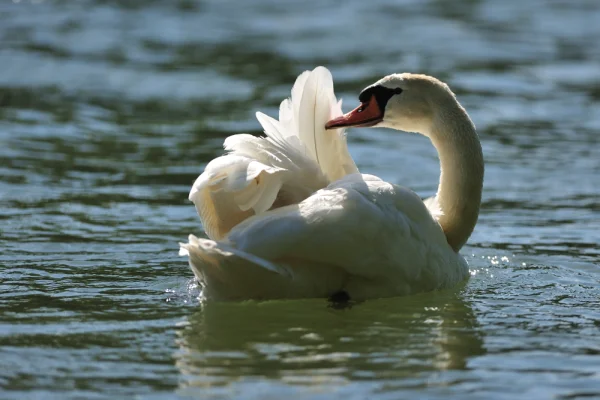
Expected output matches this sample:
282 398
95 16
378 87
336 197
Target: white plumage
296 158
288 215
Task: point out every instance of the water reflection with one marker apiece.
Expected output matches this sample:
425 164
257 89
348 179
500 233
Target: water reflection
308 343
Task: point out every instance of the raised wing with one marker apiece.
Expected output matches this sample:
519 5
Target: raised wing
296 158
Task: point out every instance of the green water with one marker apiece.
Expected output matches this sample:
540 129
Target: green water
110 109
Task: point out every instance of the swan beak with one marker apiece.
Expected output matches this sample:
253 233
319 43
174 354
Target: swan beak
367 114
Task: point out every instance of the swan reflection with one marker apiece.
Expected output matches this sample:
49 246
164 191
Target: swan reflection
392 342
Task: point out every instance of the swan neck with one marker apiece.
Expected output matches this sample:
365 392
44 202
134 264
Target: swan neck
461 178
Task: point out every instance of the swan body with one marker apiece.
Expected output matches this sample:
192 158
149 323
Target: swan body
290 216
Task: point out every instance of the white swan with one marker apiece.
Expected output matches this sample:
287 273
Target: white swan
289 216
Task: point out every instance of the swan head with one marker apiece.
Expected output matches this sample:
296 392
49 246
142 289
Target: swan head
406 102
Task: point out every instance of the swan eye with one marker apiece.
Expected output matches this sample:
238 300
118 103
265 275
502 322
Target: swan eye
377 93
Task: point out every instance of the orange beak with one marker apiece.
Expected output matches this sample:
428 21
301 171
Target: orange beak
367 114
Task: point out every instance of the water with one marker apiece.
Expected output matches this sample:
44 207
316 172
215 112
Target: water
110 109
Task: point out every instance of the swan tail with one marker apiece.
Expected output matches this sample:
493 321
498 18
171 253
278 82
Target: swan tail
227 273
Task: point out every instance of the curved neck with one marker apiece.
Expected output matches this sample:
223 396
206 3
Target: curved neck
461 179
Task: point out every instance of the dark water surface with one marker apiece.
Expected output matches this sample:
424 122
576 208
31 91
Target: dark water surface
110 109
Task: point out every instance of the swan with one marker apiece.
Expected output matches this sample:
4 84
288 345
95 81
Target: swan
289 215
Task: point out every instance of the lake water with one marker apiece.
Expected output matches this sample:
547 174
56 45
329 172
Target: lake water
110 109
